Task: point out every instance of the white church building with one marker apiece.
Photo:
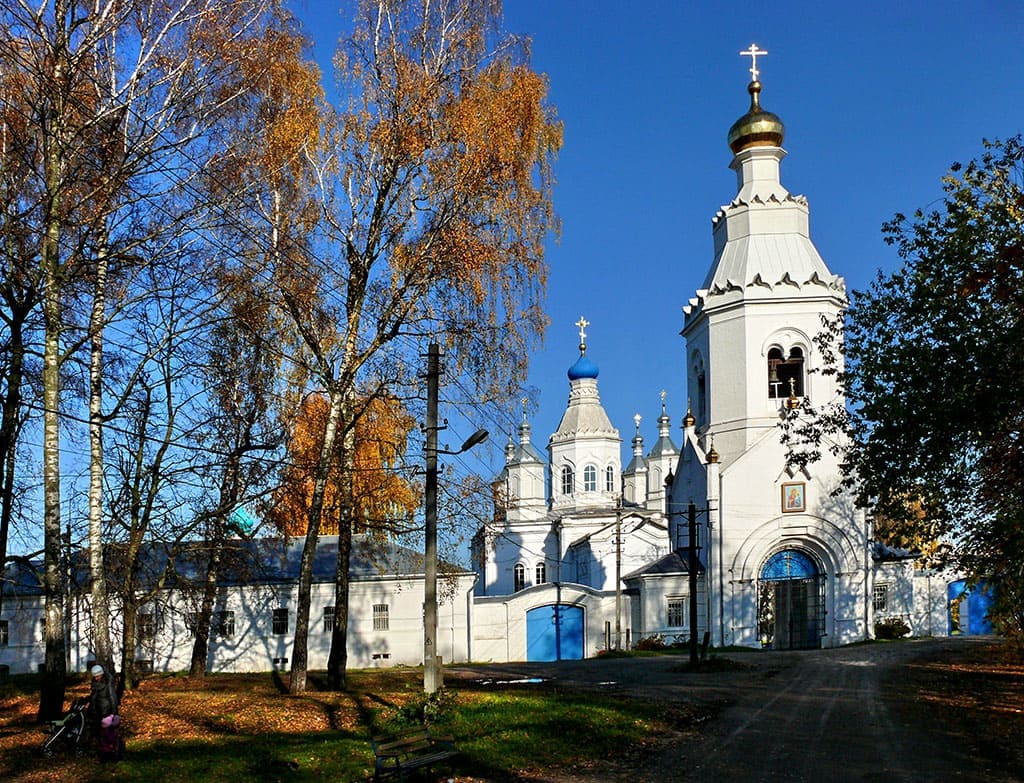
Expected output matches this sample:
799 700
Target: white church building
584 554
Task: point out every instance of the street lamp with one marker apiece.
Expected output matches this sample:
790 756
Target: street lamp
431 669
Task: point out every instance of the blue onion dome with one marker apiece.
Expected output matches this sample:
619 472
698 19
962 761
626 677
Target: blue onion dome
584 368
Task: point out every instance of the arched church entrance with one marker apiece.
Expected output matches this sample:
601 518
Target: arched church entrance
554 633
791 602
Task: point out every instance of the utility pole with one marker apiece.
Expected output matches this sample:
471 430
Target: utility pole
432 679
692 573
430 668
618 573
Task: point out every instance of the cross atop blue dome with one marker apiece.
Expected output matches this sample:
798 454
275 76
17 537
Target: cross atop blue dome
583 368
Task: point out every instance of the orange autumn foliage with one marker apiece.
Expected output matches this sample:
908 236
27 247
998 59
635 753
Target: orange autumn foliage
384 498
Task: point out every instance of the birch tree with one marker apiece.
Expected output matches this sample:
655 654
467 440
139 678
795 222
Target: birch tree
119 94
443 149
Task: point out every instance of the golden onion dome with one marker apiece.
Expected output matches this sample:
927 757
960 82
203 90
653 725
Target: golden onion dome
756 128
688 419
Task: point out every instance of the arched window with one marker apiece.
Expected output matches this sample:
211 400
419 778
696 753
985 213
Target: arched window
518 577
568 480
609 479
590 479
785 374
700 412
541 573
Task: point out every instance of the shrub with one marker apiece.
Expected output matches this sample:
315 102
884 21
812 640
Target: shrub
654 642
891 628
429 708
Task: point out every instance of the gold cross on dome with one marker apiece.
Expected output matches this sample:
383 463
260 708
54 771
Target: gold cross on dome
753 53
583 323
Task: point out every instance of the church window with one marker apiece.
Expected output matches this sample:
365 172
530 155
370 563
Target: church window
590 479
145 624
381 621
880 598
518 577
785 374
676 612
700 388
609 479
568 480
702 397
280 621
224 624
5 637
328 619
541 573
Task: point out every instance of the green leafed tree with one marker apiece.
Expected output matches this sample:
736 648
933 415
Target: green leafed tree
934 380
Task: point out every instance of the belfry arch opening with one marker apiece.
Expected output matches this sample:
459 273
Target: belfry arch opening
791 601
785 373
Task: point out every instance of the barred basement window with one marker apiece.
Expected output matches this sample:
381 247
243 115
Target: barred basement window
328 619
5 638
880 598
380 617
280 622
676 613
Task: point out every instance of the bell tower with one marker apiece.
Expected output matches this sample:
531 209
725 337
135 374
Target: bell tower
749 329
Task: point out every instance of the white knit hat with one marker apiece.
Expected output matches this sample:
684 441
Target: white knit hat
96 670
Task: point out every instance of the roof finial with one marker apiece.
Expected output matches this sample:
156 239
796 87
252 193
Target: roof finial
663 395
524 401
583 323
712 455
688 419
636 420
753 53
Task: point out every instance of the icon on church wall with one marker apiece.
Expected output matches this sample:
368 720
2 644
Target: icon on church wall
793 497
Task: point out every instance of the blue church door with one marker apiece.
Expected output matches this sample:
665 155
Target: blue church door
791 602
554 633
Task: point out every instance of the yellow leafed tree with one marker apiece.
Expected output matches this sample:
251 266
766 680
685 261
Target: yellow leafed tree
384 499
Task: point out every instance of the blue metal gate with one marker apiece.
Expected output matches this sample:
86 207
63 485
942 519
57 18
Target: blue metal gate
791 602
554 633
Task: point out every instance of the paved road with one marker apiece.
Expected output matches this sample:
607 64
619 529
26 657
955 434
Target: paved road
823 715
831 716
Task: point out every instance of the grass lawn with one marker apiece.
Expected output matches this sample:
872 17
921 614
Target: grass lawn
244 728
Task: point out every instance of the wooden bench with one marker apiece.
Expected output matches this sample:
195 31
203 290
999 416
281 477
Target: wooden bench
410 749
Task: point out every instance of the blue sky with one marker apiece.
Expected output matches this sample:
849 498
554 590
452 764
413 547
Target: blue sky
878 99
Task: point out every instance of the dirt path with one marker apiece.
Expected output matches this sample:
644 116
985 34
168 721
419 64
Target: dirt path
852 714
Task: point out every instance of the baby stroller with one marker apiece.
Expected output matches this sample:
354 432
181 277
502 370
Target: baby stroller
67 732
